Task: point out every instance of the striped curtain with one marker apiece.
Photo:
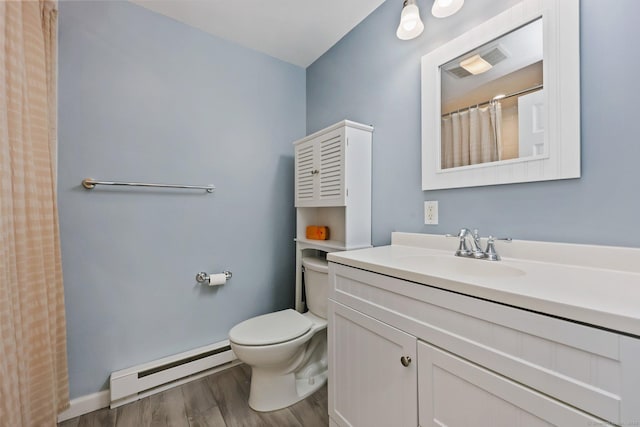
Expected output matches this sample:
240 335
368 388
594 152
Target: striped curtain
33 360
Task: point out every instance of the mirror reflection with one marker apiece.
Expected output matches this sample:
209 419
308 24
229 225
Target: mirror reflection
492 101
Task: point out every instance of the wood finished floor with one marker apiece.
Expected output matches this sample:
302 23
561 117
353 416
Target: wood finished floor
219 400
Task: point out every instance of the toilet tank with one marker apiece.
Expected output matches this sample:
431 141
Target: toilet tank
316 285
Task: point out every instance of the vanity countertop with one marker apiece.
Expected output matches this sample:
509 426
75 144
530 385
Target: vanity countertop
596 285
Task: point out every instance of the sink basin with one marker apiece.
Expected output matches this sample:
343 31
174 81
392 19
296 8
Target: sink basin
444 265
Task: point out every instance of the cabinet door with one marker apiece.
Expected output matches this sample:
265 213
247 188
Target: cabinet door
331 156
454 392
320 171
305 173
369 385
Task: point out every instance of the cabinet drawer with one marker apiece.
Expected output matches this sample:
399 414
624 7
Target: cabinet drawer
456 393
589 368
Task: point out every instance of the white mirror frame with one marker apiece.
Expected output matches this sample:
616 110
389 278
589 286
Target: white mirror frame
561 80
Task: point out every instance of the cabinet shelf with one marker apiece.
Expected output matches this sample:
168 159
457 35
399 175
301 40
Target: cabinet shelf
335 245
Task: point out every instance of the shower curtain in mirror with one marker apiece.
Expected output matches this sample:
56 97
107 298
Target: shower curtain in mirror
472 136
33 360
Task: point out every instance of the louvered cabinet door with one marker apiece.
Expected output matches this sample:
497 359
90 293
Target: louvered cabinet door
331 178
320 171
306 173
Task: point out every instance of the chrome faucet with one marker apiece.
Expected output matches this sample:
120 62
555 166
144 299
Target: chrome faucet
464 250
475 249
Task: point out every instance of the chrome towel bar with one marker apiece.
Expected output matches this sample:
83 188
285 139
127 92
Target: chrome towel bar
90 183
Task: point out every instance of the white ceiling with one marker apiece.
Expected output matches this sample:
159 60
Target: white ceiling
295 31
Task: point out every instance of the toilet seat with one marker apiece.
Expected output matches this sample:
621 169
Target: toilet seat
271 328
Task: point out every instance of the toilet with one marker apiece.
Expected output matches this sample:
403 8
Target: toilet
287 350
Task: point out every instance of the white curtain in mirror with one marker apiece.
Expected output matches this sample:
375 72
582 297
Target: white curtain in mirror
472 136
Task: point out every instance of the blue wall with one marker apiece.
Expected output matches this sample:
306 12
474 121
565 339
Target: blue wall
372 77
144 98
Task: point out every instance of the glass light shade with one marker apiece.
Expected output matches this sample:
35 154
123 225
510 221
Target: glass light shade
411 25
444 8
475 65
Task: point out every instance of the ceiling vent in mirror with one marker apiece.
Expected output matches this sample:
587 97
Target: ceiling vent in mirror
492 55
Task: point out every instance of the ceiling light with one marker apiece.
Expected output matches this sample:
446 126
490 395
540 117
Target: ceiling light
444 8
475 65
411 25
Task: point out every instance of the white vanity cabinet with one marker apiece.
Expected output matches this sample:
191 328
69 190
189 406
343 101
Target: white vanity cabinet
473 362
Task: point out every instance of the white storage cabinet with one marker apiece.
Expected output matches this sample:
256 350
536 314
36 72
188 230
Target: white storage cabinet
333 188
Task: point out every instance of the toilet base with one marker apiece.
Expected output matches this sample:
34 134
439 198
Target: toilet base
270 393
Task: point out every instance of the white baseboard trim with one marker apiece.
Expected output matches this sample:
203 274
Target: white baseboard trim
85 404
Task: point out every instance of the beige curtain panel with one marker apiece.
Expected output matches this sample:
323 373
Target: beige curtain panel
472 136
33 361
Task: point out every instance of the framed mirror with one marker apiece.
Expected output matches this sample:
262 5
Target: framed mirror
501 103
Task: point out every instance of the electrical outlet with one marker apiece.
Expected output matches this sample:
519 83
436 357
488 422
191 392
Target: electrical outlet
431 212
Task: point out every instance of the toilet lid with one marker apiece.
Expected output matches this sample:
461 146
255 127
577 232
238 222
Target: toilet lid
270 328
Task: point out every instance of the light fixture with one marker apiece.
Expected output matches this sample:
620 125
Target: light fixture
475 65
411 25
444 8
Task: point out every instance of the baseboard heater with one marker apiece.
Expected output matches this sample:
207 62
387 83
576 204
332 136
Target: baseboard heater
129 385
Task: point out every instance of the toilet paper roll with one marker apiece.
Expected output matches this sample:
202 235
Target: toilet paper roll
217 279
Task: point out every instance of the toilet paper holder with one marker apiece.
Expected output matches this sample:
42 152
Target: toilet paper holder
203 277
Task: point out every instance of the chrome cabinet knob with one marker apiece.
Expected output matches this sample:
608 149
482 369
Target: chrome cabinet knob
405 360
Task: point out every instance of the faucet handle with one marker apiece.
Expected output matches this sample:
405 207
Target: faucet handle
506 239
490 252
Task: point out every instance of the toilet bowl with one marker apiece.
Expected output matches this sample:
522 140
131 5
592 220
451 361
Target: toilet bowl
286 350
